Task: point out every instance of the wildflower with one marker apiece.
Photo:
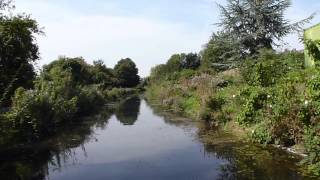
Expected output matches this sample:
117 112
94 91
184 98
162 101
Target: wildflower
306 102
268 96
234 96
270 106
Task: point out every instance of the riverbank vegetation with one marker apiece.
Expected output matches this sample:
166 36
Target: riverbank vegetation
61 148
240 78
35 105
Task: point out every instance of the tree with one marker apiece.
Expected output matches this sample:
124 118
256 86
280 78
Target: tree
127 73
78 69
103 75
18 50
220 51
190 61
174 63
257 24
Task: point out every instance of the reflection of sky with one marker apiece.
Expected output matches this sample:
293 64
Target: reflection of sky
150 147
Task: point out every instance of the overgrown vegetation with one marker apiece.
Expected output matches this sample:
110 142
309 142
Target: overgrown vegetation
33 107
242 80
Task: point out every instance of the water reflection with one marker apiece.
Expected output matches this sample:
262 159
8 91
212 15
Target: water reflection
127 111
33 161
244 160
156 145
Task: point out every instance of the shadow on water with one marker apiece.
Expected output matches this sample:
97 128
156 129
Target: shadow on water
178 154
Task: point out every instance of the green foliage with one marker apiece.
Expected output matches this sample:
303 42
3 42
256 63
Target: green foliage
90 98
18 50
77 68
191 105
313 48
127 73
36 114
103 75
174 63
261 133
312 144
255 25
118 93
220 50
216 103
166 71
65 90
269 67
214 110
273 95
190 61
177 67
255 98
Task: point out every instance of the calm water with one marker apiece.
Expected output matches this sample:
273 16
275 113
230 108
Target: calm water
135 141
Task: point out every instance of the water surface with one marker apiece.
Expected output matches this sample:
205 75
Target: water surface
135 141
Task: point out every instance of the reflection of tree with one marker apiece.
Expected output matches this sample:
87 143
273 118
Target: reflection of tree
127 111
243 160
169 117
249 161
33 161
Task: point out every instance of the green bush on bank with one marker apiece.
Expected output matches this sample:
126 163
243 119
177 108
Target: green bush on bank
35 114
65 90
273 96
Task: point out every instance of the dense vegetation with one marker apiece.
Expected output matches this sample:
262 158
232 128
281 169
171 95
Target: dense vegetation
34 106
240 79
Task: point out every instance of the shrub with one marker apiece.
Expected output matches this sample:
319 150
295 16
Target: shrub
270 67
35 114
89 99
312 145
254 100
214 111
117 93
261 133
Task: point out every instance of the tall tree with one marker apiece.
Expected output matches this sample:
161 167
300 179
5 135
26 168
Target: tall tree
191 61
127 73
257 24
103 75
18 50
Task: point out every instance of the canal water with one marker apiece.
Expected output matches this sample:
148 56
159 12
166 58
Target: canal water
136 141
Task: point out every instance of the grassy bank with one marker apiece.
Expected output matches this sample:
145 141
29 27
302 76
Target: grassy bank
271 99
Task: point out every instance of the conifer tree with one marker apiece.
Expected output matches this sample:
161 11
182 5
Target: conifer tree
257 24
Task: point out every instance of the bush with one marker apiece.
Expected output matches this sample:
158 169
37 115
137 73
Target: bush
254 99
213 110
270 67
117 93
312 145
35 114
89 100
261 133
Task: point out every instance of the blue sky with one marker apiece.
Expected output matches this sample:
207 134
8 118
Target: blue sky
148 31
